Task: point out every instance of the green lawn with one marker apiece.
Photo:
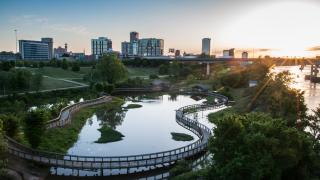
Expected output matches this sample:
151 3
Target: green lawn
137 71
60 73
49 83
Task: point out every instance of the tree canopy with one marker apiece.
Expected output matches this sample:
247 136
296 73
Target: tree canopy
257 146
110 69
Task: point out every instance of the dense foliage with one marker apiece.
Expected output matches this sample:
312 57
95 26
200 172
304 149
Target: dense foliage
257 146
110 69
35 126
273 95
19 80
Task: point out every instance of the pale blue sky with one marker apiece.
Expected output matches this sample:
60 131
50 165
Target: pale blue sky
181 23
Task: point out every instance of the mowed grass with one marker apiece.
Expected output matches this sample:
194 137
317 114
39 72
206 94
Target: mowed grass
60 73
49 83
141 71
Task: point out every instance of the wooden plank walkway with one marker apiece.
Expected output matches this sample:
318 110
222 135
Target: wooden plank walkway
158 159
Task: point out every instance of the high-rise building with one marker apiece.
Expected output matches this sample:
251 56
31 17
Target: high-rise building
150 47
36 50
134 36
125 48
206 46
50 45
100 46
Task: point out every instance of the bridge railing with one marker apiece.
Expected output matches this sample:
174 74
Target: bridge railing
150 159
66 112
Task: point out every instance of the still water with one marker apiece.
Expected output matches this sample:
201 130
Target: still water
311 90
146 129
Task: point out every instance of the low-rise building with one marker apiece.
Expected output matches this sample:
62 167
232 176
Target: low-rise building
8 56
36 50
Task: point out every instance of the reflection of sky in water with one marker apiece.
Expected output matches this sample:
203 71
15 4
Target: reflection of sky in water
311 90
146 130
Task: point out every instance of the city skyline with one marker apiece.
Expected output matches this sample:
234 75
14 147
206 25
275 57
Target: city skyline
244 25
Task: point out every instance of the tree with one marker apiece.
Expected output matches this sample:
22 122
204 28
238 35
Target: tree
257 146
312 123
174 68
3 151
35 126
275 96
64 64
164 69
10 125
75 67
111 69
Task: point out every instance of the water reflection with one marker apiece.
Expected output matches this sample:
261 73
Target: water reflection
146 129
311 90
111 118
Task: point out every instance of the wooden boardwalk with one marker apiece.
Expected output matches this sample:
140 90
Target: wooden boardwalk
158 159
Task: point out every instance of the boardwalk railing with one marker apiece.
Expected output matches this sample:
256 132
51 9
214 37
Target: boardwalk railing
65 113
158 159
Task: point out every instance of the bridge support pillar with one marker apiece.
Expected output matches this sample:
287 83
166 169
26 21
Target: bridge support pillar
208 69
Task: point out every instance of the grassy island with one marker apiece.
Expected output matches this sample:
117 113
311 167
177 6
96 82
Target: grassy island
133 106
61 139
181 137
109 135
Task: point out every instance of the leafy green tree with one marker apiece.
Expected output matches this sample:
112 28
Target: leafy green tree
257 146
3 151
273 95
10 125
174 68
312 123
164 69
41 64
35 126
75 67
153 76
111 69
64 64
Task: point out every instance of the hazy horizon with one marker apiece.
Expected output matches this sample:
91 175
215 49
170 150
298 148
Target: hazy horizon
274 27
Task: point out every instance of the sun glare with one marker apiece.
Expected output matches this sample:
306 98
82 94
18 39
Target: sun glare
288 29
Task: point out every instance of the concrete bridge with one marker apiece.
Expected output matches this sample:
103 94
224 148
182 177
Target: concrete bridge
154 160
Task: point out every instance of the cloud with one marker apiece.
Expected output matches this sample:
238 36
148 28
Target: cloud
264 49
315 48
43 22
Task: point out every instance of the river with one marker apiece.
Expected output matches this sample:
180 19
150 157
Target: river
311 90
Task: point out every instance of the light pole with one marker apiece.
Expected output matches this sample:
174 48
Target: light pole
16 35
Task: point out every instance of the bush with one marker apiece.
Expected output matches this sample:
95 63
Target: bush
153 76
75 67
64 64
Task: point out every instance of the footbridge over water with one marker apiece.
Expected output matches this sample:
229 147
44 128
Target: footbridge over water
155 160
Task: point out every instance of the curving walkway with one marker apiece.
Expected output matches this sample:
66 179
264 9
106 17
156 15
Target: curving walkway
155 160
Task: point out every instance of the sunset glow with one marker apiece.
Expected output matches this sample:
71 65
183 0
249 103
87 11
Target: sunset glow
287 29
